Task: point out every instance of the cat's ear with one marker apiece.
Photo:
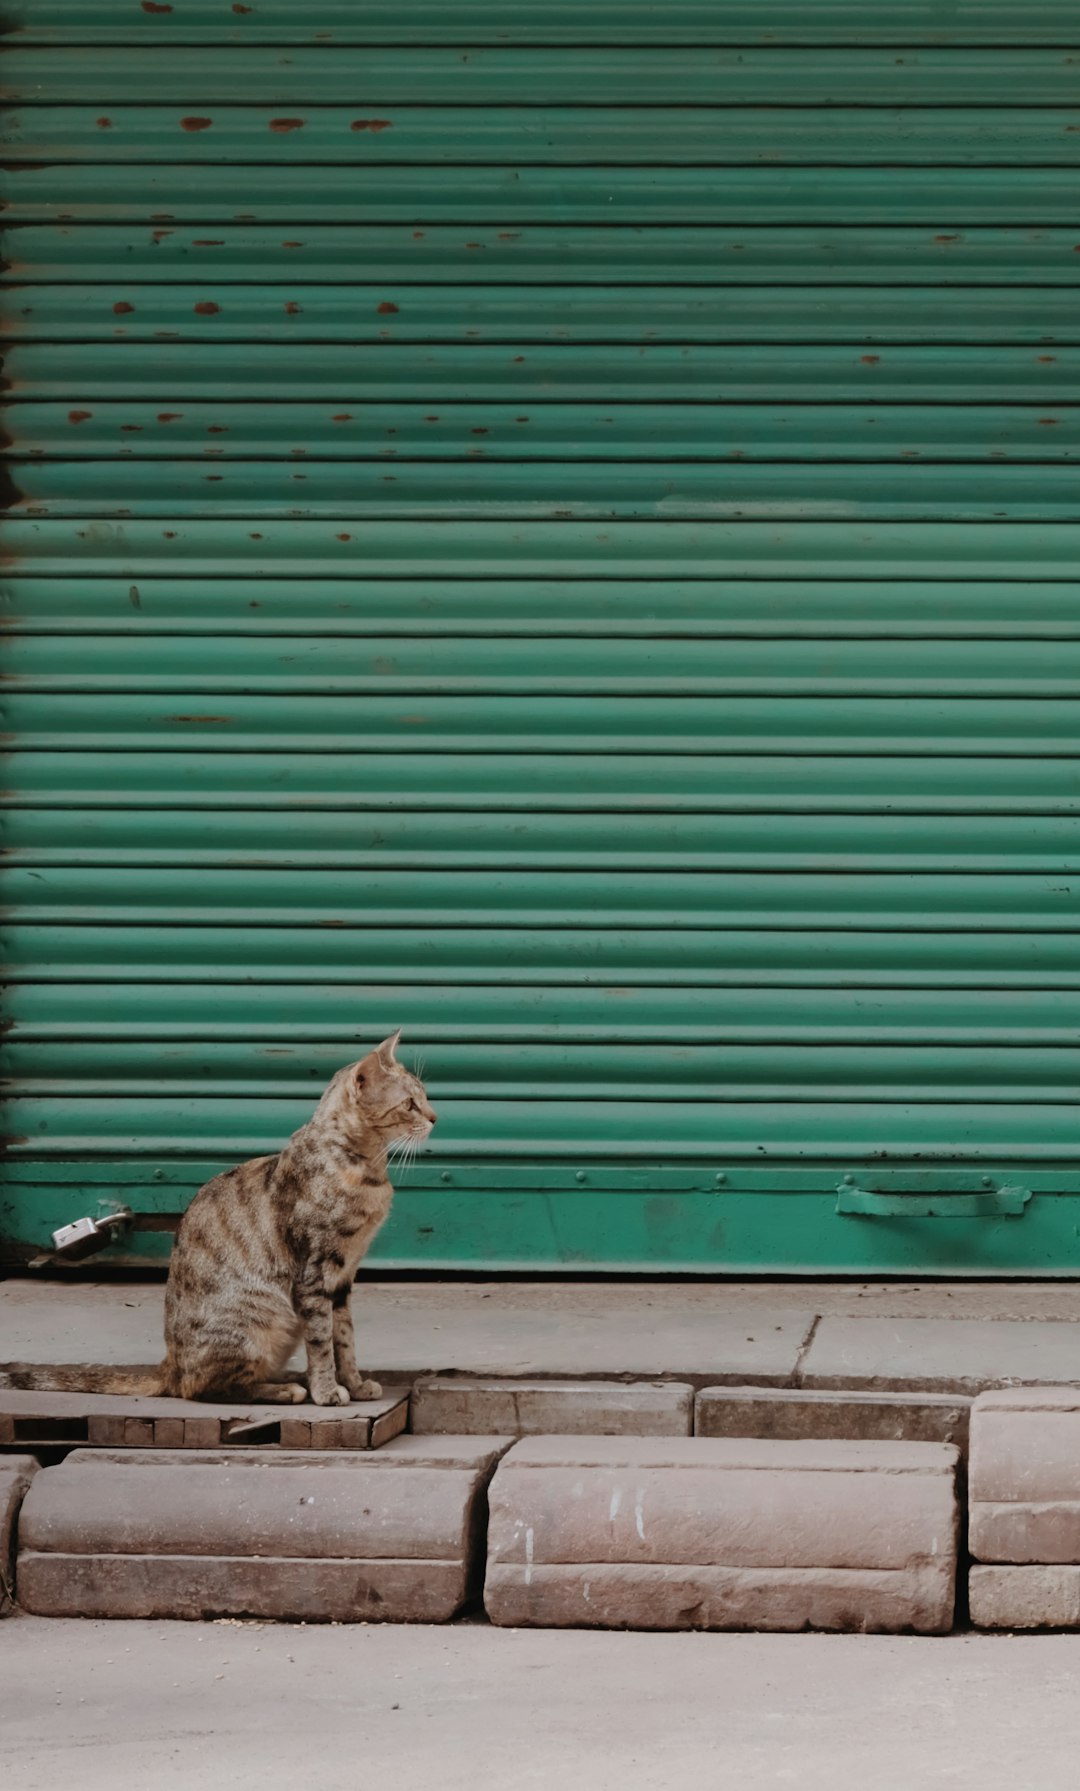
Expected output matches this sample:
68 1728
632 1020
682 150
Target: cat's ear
385 1051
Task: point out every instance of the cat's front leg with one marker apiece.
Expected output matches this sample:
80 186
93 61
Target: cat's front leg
345 1348
315 1313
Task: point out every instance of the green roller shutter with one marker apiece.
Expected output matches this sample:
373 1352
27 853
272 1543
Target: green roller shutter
554 526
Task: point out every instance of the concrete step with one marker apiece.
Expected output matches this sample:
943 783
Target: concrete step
390 1536
1024 1509
16 1472
556 1407
791 1414
711 1533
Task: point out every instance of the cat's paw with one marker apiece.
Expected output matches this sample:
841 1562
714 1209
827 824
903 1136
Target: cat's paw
333 1394
359 1389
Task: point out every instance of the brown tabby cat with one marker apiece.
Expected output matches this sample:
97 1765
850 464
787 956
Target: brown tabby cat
267 1252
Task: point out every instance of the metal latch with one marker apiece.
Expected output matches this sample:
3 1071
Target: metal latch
85 1237
934 1195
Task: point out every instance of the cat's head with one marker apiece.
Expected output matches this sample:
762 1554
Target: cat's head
391 1100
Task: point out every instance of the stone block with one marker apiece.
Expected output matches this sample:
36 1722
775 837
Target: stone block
16 1472
543 1408
943 1355
393 1535
792 1414
719 1533
115 1420
1040 1597
1024 1479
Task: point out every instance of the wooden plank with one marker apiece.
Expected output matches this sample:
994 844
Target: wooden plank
126 1421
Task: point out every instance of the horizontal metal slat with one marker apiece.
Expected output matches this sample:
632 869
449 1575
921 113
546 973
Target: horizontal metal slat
519 838
864 957
610 1071
343 372
990 136
628 607
613 550
372 79
549 255
346 1017
647 490
135 311
543 22
945 197
406 664
653 432
545 1130
302 785
1025 726
131 896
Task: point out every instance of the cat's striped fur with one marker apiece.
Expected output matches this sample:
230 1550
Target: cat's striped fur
266 1254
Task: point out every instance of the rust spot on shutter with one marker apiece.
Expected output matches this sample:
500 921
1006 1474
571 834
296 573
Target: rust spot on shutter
121 308
169 416
207 308
103 124
292 307
386 308
156 6
370 124
195 124
282 125
79 416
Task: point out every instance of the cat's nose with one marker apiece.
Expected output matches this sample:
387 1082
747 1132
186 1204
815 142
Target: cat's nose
430 1115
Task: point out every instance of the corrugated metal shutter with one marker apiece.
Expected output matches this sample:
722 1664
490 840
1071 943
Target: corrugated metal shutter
554 526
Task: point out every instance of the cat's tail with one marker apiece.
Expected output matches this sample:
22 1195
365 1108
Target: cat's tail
77 1377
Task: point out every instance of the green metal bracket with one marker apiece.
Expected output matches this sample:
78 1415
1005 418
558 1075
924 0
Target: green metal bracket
932 1196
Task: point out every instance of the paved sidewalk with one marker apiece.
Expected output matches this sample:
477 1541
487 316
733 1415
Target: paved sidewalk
955 1336
243 1707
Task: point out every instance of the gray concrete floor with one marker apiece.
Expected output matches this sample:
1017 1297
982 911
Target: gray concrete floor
957 1335
250 1707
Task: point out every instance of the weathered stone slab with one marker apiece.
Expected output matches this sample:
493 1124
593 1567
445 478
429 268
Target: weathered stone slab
393 1535
116 1420
1024 1482
1042 1597
16 1472
940 1355
723 1533
564 1408
792 1414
